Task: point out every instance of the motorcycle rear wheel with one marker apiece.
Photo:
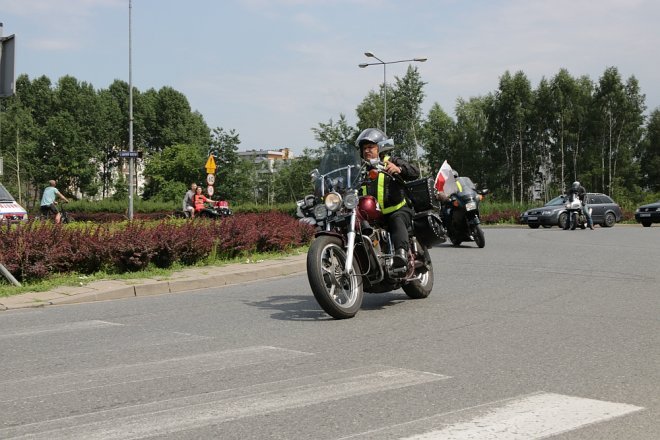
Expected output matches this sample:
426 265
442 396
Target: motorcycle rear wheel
421 288
338 294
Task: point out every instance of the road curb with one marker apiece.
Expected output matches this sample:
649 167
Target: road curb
180 282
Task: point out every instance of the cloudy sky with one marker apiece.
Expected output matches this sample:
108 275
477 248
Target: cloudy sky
273 69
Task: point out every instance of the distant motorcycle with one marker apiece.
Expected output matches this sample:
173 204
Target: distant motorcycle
461 214
214 210
576 217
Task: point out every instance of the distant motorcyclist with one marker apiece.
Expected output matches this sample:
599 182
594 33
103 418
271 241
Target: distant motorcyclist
578 190
200 200
388 191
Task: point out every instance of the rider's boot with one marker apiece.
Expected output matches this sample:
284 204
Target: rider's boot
400 259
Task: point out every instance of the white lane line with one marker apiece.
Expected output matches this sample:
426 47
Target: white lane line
161 418
528 417
58 328
44 385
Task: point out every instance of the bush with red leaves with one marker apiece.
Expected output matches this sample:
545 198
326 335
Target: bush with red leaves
34 250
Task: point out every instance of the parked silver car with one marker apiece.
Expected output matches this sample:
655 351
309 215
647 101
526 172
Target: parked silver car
604 212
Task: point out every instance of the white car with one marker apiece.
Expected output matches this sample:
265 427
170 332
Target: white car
10 210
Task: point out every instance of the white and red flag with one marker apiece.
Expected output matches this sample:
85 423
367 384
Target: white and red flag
445 181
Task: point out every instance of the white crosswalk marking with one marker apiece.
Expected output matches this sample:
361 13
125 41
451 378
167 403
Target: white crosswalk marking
57 328
187 413
143 371
528 417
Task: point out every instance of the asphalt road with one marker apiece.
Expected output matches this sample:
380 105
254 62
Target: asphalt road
543 333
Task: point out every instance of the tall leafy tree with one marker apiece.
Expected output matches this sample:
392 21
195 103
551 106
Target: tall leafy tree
174 169
231 177
620 110
370 111
470 152
405 113
334 133
649 155
292 181
168 119
510 128
436 136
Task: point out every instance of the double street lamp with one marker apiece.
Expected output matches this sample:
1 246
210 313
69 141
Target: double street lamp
385 63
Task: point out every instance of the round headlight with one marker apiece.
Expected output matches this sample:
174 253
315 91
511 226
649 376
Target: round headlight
333 201
320 212
351 200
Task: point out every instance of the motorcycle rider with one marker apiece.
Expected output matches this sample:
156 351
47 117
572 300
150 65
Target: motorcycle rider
389 191
581 193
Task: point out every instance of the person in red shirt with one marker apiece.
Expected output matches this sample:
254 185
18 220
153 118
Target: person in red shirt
199 199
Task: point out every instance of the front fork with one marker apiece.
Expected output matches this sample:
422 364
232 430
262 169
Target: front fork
350 235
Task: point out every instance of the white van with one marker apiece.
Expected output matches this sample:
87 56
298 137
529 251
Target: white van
10 211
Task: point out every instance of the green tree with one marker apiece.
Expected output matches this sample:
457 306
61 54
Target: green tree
510 130
436 136
231 179
620 119
168 120
405 113
292 181
178 163
334 133
649 155
469 140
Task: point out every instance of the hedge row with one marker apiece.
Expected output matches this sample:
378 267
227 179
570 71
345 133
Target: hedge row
36 250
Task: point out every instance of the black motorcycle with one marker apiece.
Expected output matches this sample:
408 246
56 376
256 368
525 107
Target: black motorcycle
461 214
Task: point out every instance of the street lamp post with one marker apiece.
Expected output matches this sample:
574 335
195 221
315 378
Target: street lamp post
385 63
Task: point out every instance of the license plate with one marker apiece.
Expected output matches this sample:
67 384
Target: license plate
471 206
645 215
532 217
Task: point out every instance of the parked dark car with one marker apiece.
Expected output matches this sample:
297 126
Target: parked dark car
604 212
647 214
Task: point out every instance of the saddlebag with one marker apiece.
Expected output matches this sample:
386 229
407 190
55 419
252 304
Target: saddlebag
428 228
421 193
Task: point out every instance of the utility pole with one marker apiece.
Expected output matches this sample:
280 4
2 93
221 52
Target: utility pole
131 159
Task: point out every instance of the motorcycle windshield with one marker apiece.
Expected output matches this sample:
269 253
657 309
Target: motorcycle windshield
467 187
339 169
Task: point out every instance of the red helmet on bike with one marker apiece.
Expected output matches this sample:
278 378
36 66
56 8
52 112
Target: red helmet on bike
369 209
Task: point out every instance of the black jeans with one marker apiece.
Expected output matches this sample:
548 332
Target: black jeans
398 223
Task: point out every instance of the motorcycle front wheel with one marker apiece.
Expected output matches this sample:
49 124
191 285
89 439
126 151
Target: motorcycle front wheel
478 235
340 295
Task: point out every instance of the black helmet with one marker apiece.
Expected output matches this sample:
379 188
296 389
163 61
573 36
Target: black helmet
576 185
374 135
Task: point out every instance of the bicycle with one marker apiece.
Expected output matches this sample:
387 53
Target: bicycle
65 217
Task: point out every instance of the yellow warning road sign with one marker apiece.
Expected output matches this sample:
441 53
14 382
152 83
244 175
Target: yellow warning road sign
210 165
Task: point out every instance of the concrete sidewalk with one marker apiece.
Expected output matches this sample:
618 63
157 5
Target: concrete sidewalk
181 281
